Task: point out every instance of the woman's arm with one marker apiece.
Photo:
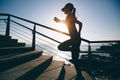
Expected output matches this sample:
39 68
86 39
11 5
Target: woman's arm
58 20
80 25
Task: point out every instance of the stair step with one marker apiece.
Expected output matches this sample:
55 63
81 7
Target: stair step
14 60
5 37
11 44
8 40
27 71
53 72
14 50
70 72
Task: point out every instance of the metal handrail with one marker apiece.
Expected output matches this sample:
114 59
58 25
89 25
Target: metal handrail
40 25
105 41
43 26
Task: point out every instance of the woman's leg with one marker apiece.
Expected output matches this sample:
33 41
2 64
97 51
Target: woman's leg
75 58
65 46
75 48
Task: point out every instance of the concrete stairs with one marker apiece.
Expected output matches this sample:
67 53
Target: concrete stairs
8 42
18 62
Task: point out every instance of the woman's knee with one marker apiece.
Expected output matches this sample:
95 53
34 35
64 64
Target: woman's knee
64 48
59 47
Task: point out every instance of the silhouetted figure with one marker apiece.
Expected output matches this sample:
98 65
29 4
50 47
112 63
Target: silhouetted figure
73 44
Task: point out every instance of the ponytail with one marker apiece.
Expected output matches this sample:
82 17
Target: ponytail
74 11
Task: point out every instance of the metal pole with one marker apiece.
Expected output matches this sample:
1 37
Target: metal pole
34 36
89 51
8 26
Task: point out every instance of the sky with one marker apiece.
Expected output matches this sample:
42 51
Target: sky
100 18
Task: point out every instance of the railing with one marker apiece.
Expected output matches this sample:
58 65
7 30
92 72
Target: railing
20 21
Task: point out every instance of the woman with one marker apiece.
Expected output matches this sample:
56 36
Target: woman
73 44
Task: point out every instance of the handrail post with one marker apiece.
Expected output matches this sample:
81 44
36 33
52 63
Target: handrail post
89 51
34 36
8 26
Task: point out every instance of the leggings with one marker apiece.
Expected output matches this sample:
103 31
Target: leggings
72 45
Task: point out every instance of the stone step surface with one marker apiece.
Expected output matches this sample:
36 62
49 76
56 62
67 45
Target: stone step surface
27 71
11 44
53 72
5 37
6 41
70 72
13 50
7 62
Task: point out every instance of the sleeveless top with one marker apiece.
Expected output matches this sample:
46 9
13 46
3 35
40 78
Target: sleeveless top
70 23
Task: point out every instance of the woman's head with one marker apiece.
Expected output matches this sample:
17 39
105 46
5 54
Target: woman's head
69 8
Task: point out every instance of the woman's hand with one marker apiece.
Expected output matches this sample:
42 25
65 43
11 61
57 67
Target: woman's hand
56 19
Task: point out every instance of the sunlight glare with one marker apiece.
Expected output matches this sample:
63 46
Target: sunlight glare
61 27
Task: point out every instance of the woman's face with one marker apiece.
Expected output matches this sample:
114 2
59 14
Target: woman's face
68 8
66 11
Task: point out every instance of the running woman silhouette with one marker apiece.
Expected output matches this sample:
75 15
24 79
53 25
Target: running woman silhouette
73 44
